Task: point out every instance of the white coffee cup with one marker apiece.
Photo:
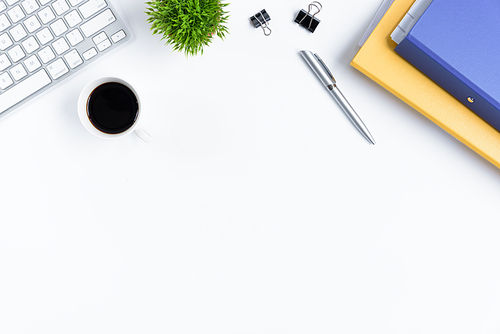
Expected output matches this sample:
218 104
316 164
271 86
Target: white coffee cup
83 111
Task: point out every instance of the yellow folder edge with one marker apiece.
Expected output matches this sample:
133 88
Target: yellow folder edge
378 60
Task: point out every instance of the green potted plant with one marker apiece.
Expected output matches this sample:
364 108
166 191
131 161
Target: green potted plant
188 25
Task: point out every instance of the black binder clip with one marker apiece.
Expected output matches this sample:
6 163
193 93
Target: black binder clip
261 19
307 20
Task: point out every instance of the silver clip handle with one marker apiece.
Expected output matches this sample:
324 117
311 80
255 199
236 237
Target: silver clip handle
264 25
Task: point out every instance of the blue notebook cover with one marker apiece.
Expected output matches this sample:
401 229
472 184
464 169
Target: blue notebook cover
456 43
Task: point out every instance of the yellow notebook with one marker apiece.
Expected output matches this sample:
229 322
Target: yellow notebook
377 60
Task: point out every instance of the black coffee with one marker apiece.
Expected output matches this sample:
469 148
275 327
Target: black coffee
112 108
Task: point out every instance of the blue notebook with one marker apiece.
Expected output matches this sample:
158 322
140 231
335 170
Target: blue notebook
456 43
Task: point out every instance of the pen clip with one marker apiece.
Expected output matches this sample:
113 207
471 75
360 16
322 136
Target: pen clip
327 70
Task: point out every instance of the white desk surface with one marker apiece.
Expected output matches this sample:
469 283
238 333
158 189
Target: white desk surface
257 208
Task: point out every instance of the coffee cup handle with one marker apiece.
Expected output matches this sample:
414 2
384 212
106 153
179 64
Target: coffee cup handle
141 133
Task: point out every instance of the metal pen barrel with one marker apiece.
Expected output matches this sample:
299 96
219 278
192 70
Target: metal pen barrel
326 77
350 112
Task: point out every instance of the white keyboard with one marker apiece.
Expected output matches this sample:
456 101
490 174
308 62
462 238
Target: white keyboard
42 42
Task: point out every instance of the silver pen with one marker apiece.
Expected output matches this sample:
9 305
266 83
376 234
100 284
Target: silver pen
326 77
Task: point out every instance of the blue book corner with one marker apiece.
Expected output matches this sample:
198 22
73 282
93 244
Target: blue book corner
456 43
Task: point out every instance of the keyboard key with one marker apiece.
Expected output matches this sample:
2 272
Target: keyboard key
30 44
18 72
16 14
16 53
74 37
73 18
4 62
90 53
46 15
46 54
99 38
22 90
98 23
4 22
73 59
59 27
91 7
5 81
75 2
18 33
60 6
30 6
3 6
5 41
104 45
60 46
32 24
32 63
118 36
44 36
57 69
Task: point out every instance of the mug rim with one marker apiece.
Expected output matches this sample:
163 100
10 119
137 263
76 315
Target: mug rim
82 107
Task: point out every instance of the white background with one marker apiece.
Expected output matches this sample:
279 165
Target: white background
257 208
